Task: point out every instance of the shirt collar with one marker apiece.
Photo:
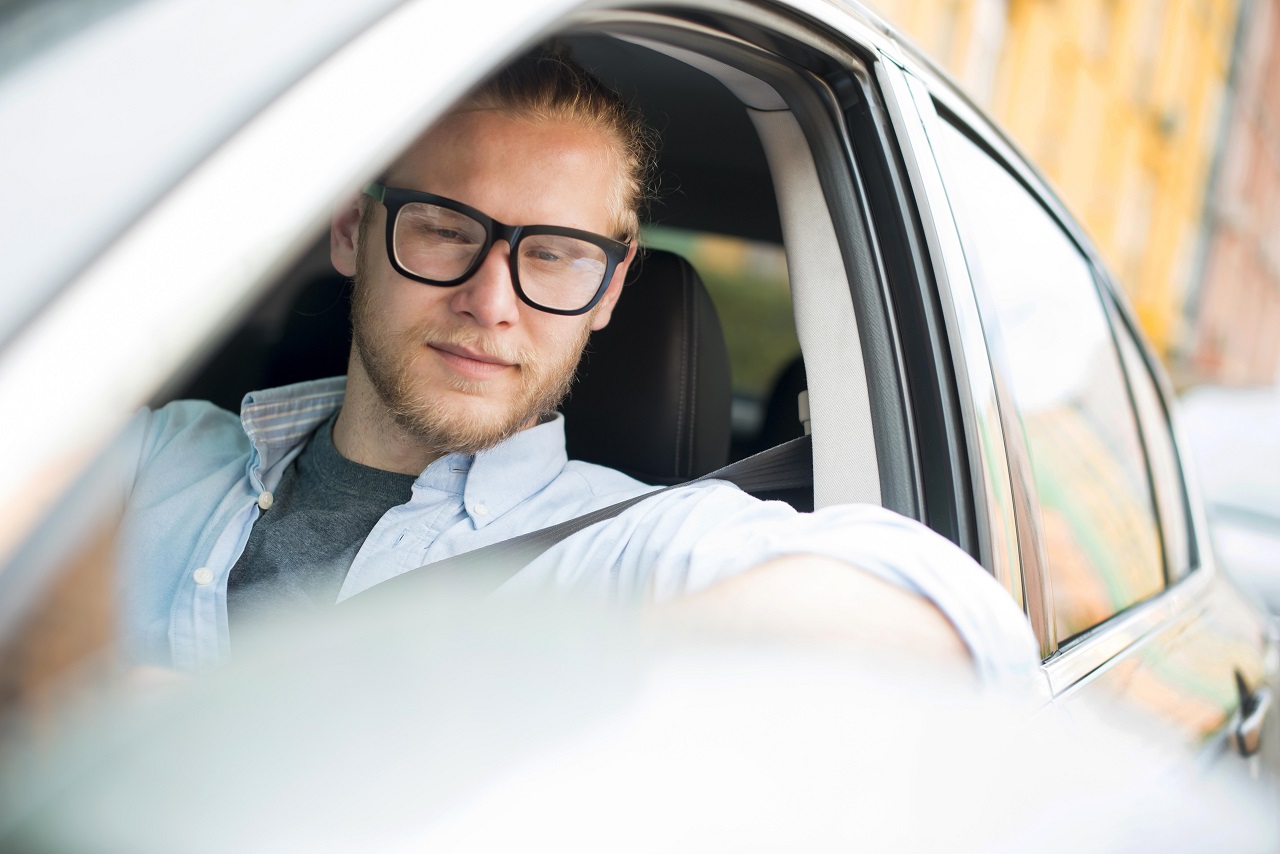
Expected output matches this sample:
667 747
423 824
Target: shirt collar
277 420
492 482
505 475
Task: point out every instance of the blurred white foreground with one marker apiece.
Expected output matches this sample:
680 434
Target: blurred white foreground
500 727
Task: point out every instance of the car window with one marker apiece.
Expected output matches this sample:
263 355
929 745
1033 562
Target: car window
1040 306
298 329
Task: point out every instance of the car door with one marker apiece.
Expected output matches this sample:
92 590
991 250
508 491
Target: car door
1120 584
932 410
1012 404
941 433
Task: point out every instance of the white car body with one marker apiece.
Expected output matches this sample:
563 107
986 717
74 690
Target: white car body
167 165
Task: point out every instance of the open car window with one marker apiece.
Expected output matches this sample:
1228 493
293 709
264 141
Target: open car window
752 187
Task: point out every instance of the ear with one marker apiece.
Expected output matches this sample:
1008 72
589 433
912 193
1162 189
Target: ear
344 230
604 309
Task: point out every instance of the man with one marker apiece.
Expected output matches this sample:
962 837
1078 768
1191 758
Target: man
482 261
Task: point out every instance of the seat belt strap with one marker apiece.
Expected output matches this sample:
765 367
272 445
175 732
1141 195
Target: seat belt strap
785 466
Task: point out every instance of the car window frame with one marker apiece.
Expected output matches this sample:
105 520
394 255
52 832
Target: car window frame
1144 360
910 314
915 407
814 73
980 431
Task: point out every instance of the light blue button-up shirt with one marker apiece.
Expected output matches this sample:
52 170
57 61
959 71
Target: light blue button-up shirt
198 478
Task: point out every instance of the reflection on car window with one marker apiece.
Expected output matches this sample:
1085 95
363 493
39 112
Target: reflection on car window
1040 304
1166 472
747 281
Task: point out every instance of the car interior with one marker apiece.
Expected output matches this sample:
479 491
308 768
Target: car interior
756 248
688 377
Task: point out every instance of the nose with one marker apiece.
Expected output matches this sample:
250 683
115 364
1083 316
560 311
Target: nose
489 296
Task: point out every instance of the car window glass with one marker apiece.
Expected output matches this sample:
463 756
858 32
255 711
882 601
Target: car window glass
1039 299
1163 455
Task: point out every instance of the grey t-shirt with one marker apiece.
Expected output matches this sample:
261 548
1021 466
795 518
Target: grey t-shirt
300 549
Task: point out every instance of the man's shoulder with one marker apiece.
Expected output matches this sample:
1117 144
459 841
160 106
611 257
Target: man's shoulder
602 480
278 417
188 432
184 414
187 425
693 501
608 483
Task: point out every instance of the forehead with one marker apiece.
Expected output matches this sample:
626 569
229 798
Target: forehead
518 170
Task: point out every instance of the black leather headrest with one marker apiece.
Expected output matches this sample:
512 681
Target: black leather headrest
654 389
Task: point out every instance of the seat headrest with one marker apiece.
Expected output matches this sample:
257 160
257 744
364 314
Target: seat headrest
654 389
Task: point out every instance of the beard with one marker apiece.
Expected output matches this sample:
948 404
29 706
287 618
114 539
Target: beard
439 417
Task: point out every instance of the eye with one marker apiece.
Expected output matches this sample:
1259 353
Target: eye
443 233
545 253
437 226
541 253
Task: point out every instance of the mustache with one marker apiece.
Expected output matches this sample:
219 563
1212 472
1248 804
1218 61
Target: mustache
473 339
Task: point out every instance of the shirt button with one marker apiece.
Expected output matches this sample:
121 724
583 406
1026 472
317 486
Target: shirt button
264 500
481 510
203 575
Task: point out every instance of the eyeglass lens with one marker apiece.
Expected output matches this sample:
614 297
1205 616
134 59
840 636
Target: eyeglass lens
553 270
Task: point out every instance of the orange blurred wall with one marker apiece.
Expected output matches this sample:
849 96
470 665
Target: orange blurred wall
1124 105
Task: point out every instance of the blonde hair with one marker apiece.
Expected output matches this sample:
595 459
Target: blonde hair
548 86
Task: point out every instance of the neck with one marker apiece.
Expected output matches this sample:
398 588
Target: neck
366 433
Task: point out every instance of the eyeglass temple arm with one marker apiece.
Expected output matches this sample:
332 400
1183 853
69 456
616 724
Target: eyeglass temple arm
376 189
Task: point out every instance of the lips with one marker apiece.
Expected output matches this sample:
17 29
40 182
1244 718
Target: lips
471 363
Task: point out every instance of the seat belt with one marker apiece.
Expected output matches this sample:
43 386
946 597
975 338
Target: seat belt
785 466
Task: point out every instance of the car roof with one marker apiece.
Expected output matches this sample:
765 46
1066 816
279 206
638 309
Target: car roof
711 168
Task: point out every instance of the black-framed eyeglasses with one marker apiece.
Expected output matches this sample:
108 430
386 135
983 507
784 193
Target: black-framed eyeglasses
438 241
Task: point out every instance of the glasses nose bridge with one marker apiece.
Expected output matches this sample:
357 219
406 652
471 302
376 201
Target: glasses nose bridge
499 231
502 231
511 234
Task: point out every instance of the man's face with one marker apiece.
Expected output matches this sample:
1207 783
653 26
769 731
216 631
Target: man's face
462 368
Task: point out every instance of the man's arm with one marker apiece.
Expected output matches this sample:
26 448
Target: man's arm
815 598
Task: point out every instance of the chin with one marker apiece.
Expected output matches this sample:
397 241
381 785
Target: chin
458 423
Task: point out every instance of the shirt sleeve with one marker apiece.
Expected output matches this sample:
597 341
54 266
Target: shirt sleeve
683 541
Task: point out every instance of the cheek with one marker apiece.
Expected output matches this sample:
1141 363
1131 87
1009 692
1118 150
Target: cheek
392 303
561 340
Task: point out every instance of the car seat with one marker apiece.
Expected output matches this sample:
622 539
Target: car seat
783 420
654 389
